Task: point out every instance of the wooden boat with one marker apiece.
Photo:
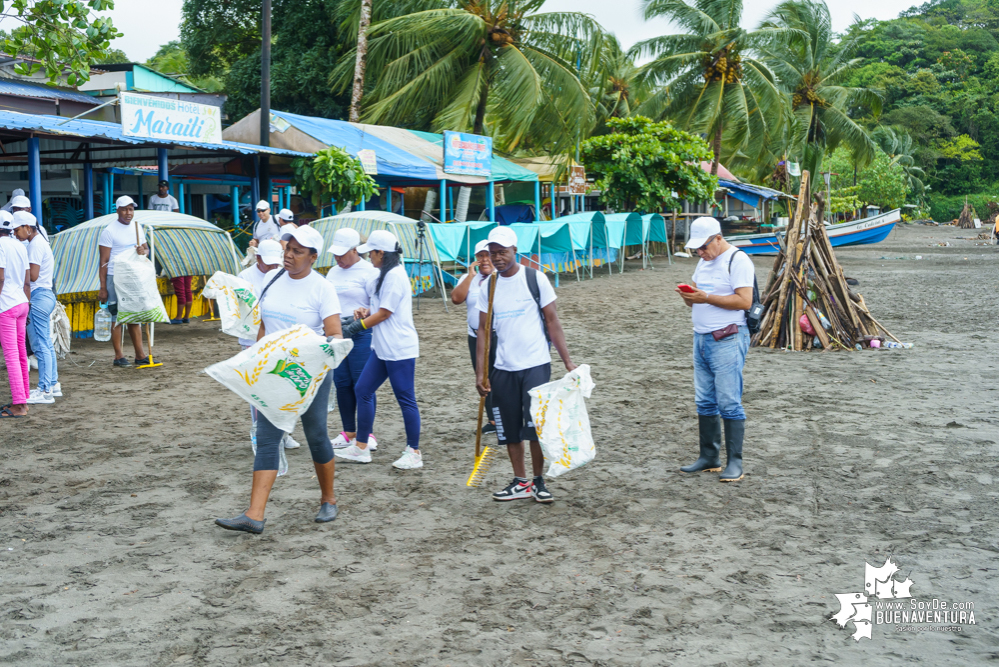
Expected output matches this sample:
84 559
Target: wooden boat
858 232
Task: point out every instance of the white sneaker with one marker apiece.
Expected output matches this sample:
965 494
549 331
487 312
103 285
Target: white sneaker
410 459
354 454
56 390
341 441
39 396
290 442
372 443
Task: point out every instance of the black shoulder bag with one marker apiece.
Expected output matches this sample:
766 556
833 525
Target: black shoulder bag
532 286
755 313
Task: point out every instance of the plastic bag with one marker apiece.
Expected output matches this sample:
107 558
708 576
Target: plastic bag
238 307
61 331
139 299
560 418
281 373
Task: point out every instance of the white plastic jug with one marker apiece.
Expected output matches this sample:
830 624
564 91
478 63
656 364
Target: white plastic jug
102 324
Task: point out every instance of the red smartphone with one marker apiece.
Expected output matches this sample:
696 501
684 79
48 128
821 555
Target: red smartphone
685 288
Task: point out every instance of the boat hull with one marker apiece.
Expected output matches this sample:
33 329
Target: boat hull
859 232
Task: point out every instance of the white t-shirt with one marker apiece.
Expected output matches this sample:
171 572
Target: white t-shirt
472 300
517 322
394 339
40 253
14 262
266 230
352 285
286 228
119 238
255 277
168 203
288 302
713 277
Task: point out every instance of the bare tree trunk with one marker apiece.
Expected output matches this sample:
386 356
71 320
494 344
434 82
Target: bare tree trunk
362 56
716 146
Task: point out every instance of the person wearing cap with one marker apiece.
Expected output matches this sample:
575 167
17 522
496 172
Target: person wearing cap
286 219
292 295
163 200
264 227
41 267
15 295
117 237
526 323
723 292
350 276
395 350
9 206
467 292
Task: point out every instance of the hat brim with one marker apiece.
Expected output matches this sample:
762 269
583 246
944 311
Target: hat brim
364 247
267 260
697 243
340 250
505 245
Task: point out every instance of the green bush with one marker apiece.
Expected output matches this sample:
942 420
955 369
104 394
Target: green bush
945 208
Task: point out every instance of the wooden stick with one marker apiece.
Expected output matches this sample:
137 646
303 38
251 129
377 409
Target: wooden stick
819 330
485 360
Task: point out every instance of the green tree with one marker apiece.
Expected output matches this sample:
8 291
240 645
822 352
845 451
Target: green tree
332 174
614 83
883 183
898 145
171 59
643 165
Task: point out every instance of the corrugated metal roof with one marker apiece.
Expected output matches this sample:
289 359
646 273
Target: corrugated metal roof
26 89
58 126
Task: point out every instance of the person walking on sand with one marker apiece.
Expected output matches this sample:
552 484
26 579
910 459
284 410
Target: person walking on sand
116 238
15 295
396 348
526 323
264 227
41 265
722 293
467 292
350 277
295 295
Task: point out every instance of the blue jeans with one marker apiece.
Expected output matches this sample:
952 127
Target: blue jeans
718 374
270 437
43 302
345 377
402 376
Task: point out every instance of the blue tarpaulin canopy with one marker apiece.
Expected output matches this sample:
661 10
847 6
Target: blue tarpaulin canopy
750 194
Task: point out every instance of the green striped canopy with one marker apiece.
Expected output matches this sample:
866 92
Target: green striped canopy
365 222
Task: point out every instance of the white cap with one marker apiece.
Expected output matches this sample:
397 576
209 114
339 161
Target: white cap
286 215
305 235
345 240
6 220
124 201
482 246
503 236
270 251
262 205
20 201
701 230
23 219
380 239
16 192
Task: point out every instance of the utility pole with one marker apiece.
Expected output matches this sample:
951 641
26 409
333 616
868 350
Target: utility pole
264 174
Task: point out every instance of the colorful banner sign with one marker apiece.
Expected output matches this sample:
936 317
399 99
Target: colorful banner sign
149 117
369 161
577 180
468 154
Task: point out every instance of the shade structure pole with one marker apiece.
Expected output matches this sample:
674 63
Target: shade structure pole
443 205
491 197
264 172
388 199
108 190
35 177
161 160
591 251
88 190
180 191
234 205
255 196
537 200
361 206
139 203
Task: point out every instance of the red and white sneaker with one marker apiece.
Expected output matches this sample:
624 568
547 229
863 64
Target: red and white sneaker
517 490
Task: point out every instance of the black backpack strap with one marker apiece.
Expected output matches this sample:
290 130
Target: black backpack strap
532 286
274 280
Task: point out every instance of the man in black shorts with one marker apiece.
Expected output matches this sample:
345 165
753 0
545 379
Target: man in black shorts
526 324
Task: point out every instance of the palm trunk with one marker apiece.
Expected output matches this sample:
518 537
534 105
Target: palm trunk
480 111
362 56
716 147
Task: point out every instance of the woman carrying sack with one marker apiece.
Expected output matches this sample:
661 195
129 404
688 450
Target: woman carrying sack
396 348
467 292
350 277
295 295
41 267
15 294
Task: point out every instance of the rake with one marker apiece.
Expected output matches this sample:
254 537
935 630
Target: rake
484 456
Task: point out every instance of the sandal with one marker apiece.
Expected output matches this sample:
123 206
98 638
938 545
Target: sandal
5 413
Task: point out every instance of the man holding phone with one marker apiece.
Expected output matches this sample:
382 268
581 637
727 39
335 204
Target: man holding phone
720 294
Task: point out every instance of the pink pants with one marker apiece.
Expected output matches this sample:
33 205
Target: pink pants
15 352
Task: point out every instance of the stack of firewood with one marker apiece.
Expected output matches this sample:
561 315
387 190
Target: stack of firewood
807 301
967 218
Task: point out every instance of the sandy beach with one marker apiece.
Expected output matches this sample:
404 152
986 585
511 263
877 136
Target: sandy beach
109 554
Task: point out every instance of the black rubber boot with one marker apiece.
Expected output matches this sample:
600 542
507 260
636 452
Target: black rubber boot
735 430
711 430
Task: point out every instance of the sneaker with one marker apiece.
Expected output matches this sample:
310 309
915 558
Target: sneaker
354 454
488 428
410 459
372 443
122 363
540 491
186 320
56 390
341 441
175 321
290 442
39 396
518 489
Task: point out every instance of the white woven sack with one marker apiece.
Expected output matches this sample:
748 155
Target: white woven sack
62 332
139 299
559 412
238 307
281 373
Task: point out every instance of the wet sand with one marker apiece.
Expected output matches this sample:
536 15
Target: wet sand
108 553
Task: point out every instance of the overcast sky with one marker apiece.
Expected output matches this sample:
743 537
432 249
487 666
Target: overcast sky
146 30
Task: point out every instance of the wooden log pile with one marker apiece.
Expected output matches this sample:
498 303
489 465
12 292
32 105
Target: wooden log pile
967 218
807 282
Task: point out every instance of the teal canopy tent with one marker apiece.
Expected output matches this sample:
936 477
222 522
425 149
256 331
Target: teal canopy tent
656 226
636 232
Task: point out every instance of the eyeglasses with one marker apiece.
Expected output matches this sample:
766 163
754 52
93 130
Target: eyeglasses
705 246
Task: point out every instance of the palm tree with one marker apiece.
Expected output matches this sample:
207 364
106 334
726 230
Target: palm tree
478 65
811 70
614 86
899 146
707 78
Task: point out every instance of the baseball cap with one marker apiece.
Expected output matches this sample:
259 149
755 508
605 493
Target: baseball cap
166 183
305 235
23 219
345 240
262 206
270 251
701 230
380 239
482 246
20 201
286 215
122 202
503 236
6 220
16 192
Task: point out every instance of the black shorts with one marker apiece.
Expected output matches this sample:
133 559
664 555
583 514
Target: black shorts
512 403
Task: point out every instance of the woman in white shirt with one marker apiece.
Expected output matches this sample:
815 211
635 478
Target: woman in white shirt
15 294
43 300
396 348
295 295
350 277
467 292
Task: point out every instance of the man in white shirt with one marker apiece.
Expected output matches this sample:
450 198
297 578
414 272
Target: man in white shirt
163 200
719 296
265 227
116 238
525 320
